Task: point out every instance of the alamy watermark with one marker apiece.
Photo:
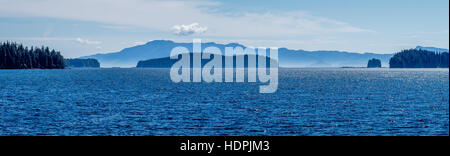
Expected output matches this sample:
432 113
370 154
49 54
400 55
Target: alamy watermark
232 64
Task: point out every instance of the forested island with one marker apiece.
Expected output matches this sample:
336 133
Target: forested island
16 56
416 58
166 62
82 63
374 63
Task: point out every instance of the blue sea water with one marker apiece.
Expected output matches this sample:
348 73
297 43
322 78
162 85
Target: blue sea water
147 102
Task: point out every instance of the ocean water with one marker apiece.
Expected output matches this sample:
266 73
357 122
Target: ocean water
146 102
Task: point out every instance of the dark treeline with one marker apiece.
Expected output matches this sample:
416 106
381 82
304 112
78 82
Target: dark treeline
167 62
16 56
82 63
414 58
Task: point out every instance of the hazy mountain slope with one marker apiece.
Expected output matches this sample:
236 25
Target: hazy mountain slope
129 57
301 58
433 49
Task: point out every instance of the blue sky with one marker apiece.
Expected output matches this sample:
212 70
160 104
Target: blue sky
84 27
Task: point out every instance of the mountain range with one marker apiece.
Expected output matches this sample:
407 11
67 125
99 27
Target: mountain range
433 49
129 57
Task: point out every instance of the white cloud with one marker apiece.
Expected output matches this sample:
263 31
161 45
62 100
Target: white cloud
139 43
38 38
69 47
116 27
185 30
160 15
79 40
85 41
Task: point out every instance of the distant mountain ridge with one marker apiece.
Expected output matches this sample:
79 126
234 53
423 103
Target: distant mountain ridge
302 58
432 49
129 57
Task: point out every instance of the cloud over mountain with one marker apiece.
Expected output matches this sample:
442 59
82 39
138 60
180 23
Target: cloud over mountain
186 30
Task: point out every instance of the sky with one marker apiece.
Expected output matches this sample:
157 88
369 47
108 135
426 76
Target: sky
85 27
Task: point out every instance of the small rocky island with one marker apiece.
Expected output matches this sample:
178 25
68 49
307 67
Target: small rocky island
17 56
374 63
82 63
